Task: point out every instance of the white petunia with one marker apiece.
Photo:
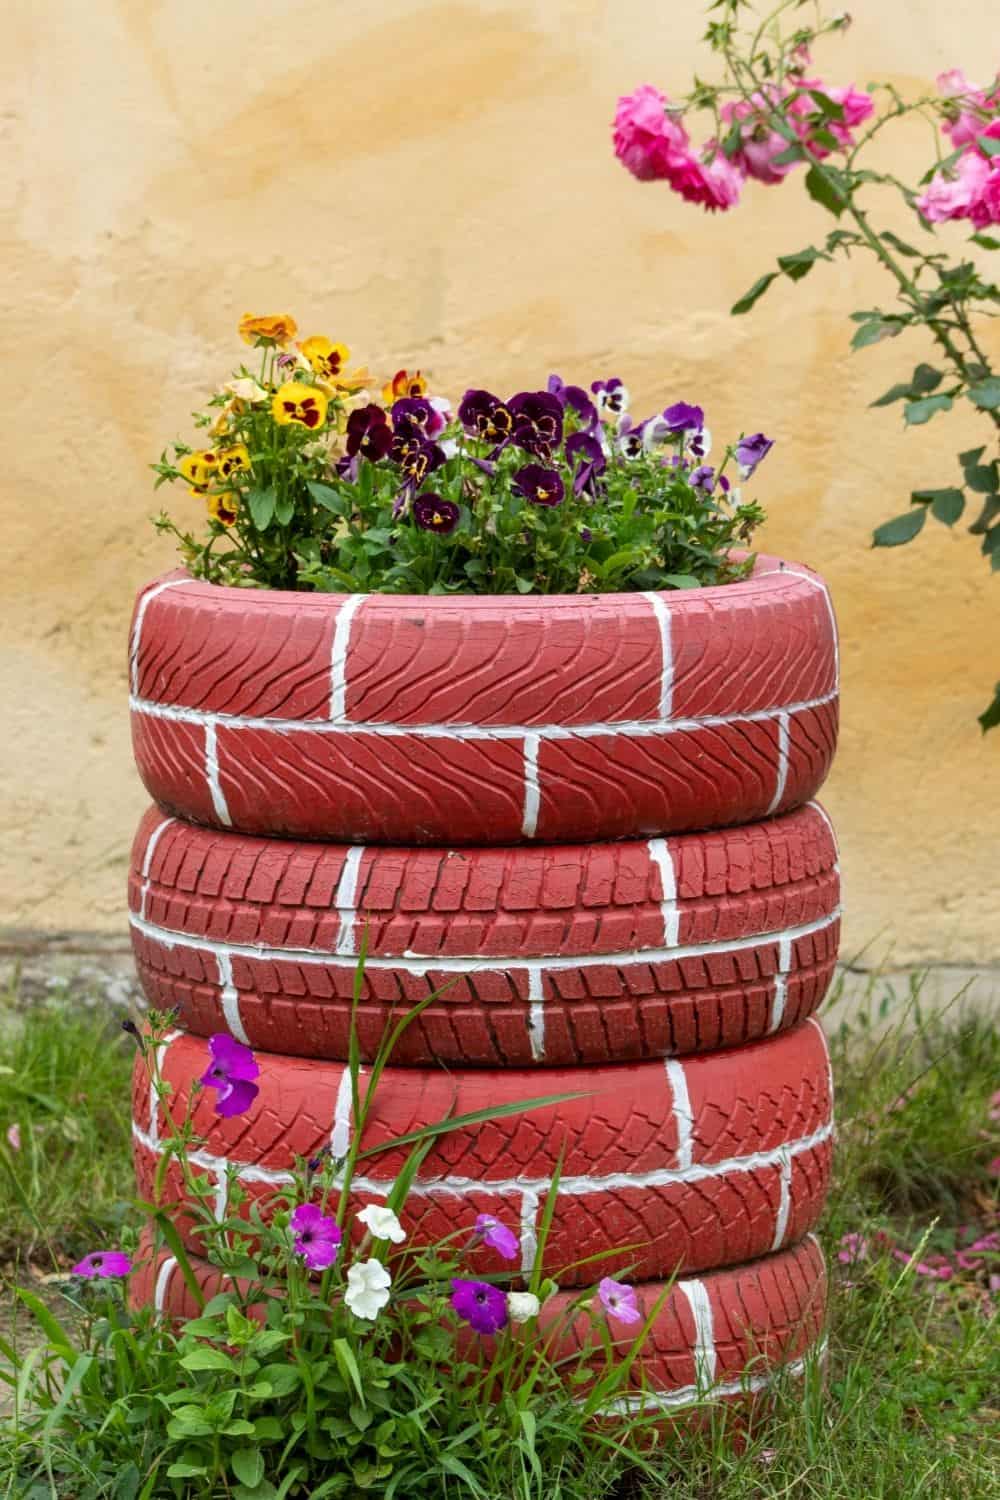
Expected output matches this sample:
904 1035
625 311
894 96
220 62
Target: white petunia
368 1284
521 1306
383 1223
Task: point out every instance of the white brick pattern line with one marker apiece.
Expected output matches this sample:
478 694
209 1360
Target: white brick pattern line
784 1203
705 1354
212 774
662 613
642 1403
683 1116
532 790
229 999
345 901
530 1199
163 1278
144 603
661 857
781 775
338 656
781 984
536 1012
147 860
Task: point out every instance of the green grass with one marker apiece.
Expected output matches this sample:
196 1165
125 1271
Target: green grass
909 1405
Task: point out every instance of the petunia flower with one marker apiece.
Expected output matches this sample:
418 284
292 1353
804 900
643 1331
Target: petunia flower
539 485
368 433
102 1263
382 1223
751 451
584 450
368 1284
232 1071
317 1237
298 404
223 506
499 1238
521 1306
618 1300
404 384
482 1306
277 328
432 513
326 358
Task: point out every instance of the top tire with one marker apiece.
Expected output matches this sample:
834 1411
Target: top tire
484 720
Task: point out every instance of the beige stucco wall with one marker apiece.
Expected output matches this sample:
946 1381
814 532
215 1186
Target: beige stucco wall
433 183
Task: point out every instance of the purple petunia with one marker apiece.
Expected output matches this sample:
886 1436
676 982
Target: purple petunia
750 451
232 1071
684 418
538 484
317 1237
482 1306
499 1238
432 513
586 452
368 433
618 1300
103 1263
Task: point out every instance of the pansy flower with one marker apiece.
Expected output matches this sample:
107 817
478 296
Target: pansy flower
486 417
416 458
539 485
611 397
403 384
584 450
235 460
576 398
198 469
415 416
223 507
231 1071
750 451
368 433
276 328
538 422
682 417
326 358
432 513
303 405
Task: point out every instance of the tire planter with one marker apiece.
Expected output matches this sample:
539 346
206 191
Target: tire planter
560 955
725 1335
484 720
690 1165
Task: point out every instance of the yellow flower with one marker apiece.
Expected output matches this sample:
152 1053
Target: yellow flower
303 404
199 468
277 328
326 358
235 460
404 384
223 419
222 507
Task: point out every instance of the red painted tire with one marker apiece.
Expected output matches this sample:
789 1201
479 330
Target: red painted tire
724 1335
580 953
717 1159
484 720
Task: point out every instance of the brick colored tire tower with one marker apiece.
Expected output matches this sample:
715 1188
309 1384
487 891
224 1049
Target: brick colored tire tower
590 816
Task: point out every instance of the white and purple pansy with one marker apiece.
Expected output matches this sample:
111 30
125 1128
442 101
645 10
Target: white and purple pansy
611 398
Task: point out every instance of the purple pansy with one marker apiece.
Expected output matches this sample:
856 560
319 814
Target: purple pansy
482 1306
584 450
432 513
102 1263
618 1300
631 439
575 397
486 417
232 1071
705 478
540 485
317 1237
750 451
415 416
369 433
416 457
611 396
538 421
499 1238
684 418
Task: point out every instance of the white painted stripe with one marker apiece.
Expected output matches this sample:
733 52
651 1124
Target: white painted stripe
660 855
640 1403
340 1133
683 1115
144 603
829 1063
221 1206
147 860
536 1012
781 983
163 1277
662 614
574 1186
833 832
819 583
421 965
229 997
458 731
530 1198
212 774
784 1203
338 656
705 1355
781 774
345 900
532 790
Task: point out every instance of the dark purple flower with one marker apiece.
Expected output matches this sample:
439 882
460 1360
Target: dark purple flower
618 1300
232 1071
416 458
586 535
368 432
499 1238
102 1263
750 451
575 397
317 1237
586 452
431 513
538 421
486 417
538 484
612 396
684 418
482 1306
414 416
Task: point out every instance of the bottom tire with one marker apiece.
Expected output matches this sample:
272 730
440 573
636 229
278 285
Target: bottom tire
726 1335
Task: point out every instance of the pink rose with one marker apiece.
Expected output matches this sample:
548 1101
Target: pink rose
714 184
759 144
985 208
951 195
974 106
647 139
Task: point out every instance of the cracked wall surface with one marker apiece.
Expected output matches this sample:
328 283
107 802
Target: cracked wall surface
434 184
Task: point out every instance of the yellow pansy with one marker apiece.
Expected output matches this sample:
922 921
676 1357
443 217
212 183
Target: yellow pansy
223 507
325 357
235 460
404 384
199 468
303 404
276 328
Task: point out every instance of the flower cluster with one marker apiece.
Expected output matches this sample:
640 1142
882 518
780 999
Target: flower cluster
312 481
967 184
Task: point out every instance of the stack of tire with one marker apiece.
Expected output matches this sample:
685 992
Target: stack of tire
585 821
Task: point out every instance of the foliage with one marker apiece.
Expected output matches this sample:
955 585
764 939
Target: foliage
773 121
311 484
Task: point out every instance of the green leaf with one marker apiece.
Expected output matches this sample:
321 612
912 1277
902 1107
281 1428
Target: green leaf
991 542
284 510
919 412
826 187
344 1355
756 291
801 263
900 246
984 479
986 517
947 506
902 529
790 154
986 395
827 106
926 379
680 581
248 1466
324 495
971 456
261 505
207 1359
989 144
990 717
894 393
875 331
186 1471
987 241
